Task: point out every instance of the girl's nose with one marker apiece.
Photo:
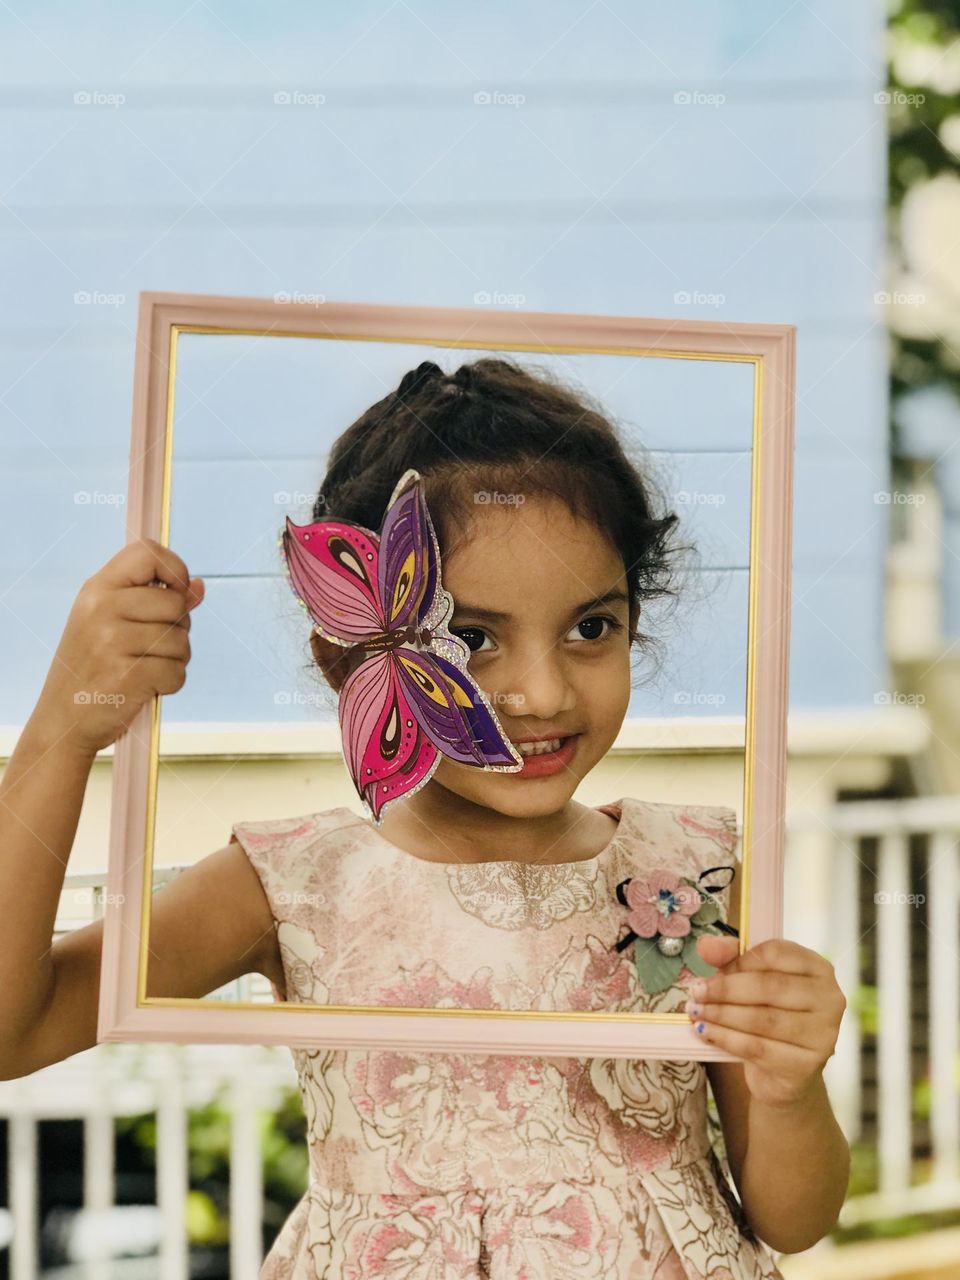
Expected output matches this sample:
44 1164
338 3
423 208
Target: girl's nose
537 687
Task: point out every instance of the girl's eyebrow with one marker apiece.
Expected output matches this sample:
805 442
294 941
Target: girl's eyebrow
615 596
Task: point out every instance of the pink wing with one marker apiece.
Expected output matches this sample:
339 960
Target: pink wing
332 567
386 750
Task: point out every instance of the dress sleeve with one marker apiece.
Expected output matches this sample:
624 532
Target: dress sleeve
264 843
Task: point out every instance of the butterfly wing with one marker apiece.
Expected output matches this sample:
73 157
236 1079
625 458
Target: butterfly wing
401 708
408 568
454 712
386 750
332 567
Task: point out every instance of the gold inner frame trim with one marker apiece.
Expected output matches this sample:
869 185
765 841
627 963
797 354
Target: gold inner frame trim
145 1001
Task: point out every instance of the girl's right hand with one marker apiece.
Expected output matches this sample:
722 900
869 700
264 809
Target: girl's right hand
124 642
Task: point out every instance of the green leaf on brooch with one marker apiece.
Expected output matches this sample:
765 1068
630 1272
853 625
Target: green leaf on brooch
655 971
707 913
692 958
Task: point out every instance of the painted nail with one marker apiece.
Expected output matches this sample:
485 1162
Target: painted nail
691 1007
701 1028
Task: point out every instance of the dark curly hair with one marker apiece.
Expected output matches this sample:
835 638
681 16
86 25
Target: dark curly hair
494 425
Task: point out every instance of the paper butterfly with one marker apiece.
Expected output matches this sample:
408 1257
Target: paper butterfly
410 700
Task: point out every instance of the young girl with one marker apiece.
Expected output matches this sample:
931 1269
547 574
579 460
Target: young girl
480 889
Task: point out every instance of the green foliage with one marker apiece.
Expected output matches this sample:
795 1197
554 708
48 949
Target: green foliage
866 1007
917 154
285 1162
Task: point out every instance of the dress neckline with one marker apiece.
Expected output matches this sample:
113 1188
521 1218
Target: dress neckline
616 809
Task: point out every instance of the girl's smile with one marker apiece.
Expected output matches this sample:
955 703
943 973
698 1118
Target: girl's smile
546 756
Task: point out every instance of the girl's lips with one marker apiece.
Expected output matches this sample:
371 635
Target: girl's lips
543 766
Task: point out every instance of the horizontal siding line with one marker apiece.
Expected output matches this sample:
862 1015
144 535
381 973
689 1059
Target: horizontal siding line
409 95
70 216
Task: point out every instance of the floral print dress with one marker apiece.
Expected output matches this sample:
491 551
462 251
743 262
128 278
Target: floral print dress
436 1166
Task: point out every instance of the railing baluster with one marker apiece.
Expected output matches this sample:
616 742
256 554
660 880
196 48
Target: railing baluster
172 1176
893 1039
22 1180
842 1072
246 1180
97 1171
943 888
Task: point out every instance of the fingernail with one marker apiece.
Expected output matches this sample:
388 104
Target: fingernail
698 988
692 1008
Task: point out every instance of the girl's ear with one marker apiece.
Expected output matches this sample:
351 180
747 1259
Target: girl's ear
331 659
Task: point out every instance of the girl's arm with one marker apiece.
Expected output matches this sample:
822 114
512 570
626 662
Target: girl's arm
41 793
794 1174
50 993
791 1163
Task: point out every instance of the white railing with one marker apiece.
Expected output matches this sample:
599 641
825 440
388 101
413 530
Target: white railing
822 895
113 1080
822 873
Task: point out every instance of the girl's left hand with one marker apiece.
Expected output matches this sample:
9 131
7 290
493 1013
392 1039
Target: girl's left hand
777 1006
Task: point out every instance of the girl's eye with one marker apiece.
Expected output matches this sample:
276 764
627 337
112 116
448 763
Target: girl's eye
592 624
587 629
468 635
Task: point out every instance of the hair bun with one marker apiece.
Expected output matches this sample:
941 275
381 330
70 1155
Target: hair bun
416 378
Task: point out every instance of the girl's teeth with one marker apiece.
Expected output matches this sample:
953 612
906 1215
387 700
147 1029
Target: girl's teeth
538 748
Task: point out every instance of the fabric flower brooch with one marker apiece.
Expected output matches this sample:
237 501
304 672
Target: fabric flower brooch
666 914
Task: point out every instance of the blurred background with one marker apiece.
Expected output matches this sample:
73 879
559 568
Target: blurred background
780 162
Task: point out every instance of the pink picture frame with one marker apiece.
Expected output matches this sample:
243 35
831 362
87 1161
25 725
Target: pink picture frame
125 1012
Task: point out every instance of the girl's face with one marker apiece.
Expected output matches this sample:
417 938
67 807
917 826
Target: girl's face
541 600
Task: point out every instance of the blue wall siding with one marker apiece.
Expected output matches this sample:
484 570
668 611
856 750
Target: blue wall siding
599 193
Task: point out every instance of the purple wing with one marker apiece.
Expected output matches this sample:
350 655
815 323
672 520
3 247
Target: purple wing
453 712
408 568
